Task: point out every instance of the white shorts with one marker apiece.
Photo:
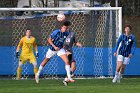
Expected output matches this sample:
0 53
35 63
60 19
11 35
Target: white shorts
125 60
51 53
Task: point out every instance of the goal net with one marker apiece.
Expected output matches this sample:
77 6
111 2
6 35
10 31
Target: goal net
96 28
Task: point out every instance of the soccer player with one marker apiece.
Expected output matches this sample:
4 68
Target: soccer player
27 43
69 42
125 52
56 41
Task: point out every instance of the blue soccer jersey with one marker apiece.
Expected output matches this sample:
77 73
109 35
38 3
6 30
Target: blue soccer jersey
128 45
58 38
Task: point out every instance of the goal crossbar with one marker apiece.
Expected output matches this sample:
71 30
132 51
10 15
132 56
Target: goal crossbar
60 8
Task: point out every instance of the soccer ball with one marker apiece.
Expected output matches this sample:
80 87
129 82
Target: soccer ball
60 17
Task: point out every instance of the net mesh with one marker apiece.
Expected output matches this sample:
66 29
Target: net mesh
94 29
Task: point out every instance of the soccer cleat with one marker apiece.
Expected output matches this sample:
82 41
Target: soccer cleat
17 78
65 83
114 80
37 78
70 80
118 80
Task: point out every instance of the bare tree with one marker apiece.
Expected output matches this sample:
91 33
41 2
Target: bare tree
56 3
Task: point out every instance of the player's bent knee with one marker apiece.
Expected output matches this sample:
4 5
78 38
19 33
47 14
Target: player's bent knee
65 59
45 61
74 68
123 66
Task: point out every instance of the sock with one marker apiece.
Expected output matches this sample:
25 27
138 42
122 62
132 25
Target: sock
116 75
39 70
120 75
71 72
35 70
19 72
67 67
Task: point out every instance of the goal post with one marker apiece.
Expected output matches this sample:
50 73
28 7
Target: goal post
97 28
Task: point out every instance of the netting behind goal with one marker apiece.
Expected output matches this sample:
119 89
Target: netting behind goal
96 29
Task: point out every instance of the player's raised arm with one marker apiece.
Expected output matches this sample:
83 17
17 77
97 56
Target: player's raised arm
77 43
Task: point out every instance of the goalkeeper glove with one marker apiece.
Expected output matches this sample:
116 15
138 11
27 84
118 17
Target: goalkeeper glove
37 55
17 54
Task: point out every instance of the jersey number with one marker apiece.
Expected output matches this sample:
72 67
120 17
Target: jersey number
67 39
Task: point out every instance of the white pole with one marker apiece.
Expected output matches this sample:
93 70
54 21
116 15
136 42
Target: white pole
60 8
120 21
116 3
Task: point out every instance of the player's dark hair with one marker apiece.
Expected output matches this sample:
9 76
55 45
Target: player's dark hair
127 25
66 23
28 29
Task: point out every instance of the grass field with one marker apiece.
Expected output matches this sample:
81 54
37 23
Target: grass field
127 85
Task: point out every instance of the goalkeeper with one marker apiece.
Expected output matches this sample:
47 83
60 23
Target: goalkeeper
27 43
69 42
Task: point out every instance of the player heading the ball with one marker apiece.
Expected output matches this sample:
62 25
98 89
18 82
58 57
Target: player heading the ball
56 41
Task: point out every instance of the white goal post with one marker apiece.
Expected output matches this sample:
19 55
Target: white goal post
95 28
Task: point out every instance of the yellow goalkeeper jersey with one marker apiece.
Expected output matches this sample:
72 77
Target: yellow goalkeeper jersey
27 45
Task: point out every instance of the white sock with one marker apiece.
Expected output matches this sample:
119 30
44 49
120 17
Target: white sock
116 75
39 70
120 75
67 67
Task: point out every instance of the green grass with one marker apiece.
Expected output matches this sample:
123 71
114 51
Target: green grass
127 85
